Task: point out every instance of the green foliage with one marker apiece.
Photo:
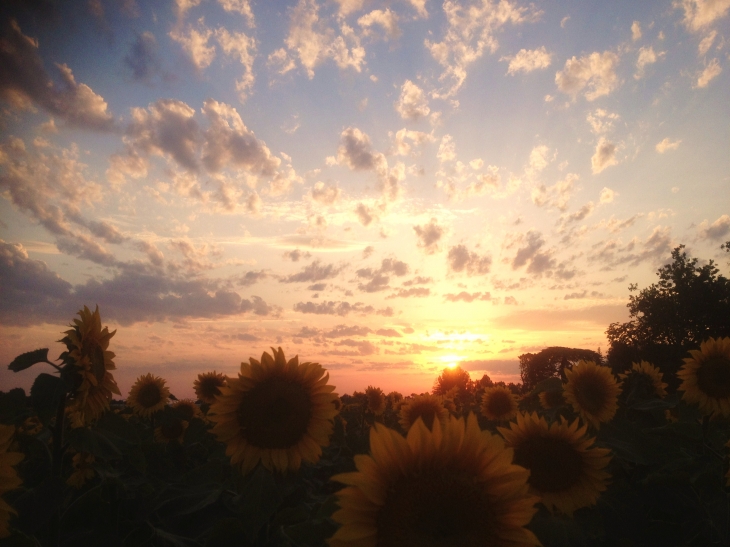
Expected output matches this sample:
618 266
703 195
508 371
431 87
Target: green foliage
550 362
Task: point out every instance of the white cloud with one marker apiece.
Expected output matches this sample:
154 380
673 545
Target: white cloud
402 148
195 43
635 31
429 236
447 149
419 6
528 60
698 14
243 47
706 43
646 57
357 153
556 195
604 157
601 121
471 32
386 19
239 6
718 229
564 21
607 195
325 194
461 259
539 159
349 6
412 103
710 72
667 144
596 73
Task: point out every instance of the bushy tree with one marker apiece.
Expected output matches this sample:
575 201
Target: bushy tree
550 362
689 304
451 378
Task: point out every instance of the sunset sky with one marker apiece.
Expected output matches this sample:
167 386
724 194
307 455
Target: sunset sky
384 187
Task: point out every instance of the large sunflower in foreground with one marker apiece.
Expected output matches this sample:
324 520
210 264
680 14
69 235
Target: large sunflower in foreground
277 412
705 377
592 391
565 471
87 348
498 404
427 407
452 485
644 378
208 386
9 479
375 400
148 395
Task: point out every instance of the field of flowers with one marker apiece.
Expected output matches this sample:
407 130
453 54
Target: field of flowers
276 457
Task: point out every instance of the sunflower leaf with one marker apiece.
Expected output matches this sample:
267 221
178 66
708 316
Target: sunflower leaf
46 394
28 359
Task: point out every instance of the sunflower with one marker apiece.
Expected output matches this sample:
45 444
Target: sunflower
394 398
498 404
592 391
277 412
550 399
645 378
148 395
706 377
187 409
376 400
452 485
83 464
208 385
172 429
87 348
427 407
564 470
9 479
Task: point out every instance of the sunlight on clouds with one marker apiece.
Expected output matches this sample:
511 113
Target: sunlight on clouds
709 73
667 144
594 73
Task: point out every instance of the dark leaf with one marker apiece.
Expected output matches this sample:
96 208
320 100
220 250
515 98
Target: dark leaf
46 394
27 360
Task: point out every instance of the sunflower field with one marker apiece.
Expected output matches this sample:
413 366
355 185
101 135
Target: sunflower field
275 456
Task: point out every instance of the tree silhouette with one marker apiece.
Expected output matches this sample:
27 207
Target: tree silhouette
550 362
451 378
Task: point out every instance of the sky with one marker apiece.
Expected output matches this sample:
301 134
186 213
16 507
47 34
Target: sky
387 188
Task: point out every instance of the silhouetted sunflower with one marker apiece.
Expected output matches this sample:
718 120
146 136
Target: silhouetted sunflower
86 345
376 400
705 377
148 395
644 377
452 485
208 385
83 464
565 471
592 391
498 404
172 429
187 409
550 399
277 412
9 479
427 407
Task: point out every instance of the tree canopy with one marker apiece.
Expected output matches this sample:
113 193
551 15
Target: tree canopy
550 362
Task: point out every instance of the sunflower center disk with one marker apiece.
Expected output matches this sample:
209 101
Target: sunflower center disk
553 463
438 508
713 377
500 404
275 414
591 393
172 429
426 412
209 388
149 395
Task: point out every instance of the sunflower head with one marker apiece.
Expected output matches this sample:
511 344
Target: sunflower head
450 485
592 391
376 400
90 362
643 380
705 377
394 398
276 412
9 479
551 398
186 409
565 471
172 429
208 386
148 395
498 404
427 407
83 464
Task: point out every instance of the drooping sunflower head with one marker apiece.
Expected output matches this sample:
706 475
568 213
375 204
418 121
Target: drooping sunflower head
186 409
87 349
592 391
643 380
451 485
148 395
426 407
551 398
376 400
172 429
565 471
705 377
276 412
208 386
498 404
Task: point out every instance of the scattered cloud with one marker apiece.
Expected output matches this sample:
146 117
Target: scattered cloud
386 19
315 271
709 73
601 121
635 31
607 195
718 229
667 144
412 103
194 41
464 296
340 308
429 236
699 14
413 292
594 75
460 259
645 58
527 60
604 156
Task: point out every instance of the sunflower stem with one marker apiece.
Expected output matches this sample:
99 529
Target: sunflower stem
58 432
